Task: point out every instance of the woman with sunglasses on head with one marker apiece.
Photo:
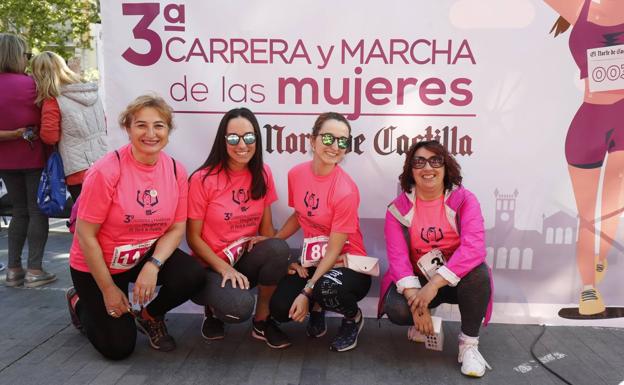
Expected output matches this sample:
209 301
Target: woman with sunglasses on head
326 201
435 242
229 223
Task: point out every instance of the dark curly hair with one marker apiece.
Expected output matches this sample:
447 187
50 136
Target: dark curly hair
452 170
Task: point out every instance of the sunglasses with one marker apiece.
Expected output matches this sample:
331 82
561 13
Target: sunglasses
233 139
435 161
328 139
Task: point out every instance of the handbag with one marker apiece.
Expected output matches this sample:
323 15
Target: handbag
52 192
362 264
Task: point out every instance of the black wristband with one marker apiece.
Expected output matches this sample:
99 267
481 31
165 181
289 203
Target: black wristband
306 294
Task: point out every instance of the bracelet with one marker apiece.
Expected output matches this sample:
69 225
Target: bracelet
155 262
306 294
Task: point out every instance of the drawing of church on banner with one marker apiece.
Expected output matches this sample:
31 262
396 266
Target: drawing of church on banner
532 265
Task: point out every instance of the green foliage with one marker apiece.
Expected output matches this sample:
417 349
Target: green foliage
50 24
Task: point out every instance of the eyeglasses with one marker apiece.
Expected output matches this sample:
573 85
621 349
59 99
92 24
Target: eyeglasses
28 55
233 139
328 139
435 161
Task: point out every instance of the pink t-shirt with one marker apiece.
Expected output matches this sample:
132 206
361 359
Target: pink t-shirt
326 204
431 230
134 203
223 201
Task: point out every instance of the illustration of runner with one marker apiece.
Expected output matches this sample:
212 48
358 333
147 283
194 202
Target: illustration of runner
596 130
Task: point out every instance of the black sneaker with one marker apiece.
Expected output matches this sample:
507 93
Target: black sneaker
72 301
212 327
347 336
269 332
316 327
156 330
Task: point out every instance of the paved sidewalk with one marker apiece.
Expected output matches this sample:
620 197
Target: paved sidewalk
38 345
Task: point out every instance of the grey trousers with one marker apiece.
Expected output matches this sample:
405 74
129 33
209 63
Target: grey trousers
27 222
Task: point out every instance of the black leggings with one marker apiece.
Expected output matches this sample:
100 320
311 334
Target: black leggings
181 276
339 290
472 294
264 265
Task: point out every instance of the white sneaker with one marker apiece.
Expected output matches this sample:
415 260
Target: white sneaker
473 363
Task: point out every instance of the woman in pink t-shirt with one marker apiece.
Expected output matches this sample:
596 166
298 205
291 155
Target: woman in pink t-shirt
435 243
131 219
326 201
229 211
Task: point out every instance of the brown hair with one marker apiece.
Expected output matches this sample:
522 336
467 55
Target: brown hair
322 118
452 170
560 26
144 101
12 51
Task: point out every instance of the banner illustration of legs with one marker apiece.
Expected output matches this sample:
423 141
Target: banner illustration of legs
595 138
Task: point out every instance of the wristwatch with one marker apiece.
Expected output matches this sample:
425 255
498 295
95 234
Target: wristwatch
309 285
155 261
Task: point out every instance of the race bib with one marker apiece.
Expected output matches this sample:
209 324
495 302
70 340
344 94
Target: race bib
431 262
313 250
236 249
605 68
127 256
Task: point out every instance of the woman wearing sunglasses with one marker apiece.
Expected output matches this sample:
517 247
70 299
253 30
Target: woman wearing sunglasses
435 242
230 199
326 201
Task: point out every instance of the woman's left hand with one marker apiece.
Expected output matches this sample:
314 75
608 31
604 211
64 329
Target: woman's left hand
254 240
423 297
145 284
299 308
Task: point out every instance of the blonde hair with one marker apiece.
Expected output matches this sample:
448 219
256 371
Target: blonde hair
146 101
51 73
12 51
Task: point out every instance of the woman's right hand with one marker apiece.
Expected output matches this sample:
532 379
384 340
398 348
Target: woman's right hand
296 268
116 302
299 308
231 274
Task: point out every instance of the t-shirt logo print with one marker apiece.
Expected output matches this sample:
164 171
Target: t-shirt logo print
240 197
311 202
431 234
147 199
